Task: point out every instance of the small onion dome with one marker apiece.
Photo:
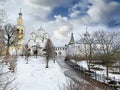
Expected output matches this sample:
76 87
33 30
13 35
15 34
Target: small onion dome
20 13
86 34
41 29
33 32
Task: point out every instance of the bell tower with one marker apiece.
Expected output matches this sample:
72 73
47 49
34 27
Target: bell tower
19 34
71 39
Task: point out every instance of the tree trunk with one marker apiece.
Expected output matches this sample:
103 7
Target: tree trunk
47 62
119 66
88 65
7 51
27 60
107 71
54 60
36 55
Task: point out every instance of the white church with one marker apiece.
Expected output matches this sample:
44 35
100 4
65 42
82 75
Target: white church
37 41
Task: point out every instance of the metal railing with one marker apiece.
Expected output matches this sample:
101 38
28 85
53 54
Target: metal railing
93 75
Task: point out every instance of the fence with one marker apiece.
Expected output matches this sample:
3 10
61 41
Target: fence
89 75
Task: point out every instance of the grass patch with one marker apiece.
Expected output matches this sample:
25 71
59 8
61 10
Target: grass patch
115 66
92 65
99 63
115 72
97 68
115 87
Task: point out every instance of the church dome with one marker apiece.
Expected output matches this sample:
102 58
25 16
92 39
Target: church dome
41 29
33 32
86 34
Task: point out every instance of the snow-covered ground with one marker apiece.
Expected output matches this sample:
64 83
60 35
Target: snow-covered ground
34 75
84 64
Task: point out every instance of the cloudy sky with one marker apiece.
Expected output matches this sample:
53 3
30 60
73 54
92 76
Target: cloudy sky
61 17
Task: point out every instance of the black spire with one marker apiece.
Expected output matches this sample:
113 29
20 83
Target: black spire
71 39
20 13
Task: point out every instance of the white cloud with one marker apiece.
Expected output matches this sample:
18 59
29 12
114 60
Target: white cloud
48 3
75 13
59 29
43 3
62 32
103 12
78 8
63 27
99 12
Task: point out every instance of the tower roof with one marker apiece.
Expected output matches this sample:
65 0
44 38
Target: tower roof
20 13
87 33
71 39
41 29
20 20
33 32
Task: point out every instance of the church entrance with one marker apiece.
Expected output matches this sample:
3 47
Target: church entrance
55 54
59 53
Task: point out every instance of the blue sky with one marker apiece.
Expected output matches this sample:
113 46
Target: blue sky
61 17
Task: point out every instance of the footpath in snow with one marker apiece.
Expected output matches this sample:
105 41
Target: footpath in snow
34 75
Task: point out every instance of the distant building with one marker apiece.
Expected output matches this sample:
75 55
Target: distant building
37 41
82 47
60 51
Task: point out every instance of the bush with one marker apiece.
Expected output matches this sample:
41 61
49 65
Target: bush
112 82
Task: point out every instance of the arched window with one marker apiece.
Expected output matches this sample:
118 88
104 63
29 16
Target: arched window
21 31
59 53
29 49
55 53
18 31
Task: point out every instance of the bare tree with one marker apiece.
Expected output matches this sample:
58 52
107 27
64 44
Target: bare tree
2 43
49 51
109 44
89 44
27 53
8 32
7 77
12 63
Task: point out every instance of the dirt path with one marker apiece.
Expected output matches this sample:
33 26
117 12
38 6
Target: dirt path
72 73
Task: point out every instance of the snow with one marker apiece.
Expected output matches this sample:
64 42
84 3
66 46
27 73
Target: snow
82 63
102 72
34 75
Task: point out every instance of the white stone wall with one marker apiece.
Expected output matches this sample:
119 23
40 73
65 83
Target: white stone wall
60 51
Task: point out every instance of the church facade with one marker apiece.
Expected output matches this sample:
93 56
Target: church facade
37 41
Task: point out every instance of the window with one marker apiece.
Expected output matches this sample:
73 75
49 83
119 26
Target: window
17 31
59 53
21 31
